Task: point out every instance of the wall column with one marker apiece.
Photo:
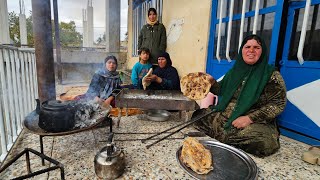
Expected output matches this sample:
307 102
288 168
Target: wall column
85 31
4 24
23 24
90 24
112 25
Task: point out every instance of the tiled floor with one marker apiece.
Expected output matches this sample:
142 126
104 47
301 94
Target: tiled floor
77 153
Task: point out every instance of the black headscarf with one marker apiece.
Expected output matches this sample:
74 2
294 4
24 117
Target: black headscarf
167 56
168 73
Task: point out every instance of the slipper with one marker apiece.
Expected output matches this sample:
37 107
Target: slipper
312 156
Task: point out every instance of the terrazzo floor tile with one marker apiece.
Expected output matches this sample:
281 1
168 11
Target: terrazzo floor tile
77 153
287 162
19 168
147 169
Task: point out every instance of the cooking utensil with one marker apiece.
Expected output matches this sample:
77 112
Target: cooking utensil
139 139
157 115
109 162
228 163
154 99
31 124
189 134
184 125
55 115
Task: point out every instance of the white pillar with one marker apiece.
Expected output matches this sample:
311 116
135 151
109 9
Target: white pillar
90 23
23 29
23 24
4 24
85 31
112 25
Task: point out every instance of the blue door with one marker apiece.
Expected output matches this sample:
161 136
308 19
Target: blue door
301 72
224 39
279 22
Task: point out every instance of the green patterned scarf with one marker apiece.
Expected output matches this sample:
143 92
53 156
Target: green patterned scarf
255 76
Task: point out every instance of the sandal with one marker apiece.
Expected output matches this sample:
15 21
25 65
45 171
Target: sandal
312 156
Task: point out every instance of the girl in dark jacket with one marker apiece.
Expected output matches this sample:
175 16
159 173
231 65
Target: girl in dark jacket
153 36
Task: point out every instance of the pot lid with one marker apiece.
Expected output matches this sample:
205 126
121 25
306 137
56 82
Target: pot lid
56 104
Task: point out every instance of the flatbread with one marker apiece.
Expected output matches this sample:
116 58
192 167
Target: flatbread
196 156
195 85
145 84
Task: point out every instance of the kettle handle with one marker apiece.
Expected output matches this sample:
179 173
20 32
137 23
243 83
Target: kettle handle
110 138
109 146
38 106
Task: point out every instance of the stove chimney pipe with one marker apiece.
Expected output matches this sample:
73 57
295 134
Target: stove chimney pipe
42 32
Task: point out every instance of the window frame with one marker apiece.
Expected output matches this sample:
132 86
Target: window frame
276 8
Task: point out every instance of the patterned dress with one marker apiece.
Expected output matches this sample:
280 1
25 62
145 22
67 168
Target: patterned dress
260 138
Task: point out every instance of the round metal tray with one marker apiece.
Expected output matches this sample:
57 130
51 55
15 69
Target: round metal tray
228 163
158 115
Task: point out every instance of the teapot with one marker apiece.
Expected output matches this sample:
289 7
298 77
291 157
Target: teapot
109 162
55 115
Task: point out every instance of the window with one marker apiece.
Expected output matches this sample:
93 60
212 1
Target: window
312 42
264 27
139 14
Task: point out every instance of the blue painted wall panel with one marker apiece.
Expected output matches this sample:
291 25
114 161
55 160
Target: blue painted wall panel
295 77
293 118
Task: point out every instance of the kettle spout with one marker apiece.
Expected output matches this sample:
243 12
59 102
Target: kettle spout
38 106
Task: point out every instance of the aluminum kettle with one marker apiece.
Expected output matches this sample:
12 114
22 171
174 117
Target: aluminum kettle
109 162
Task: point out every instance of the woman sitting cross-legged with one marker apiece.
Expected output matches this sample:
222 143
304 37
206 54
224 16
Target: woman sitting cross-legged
103 82
251 95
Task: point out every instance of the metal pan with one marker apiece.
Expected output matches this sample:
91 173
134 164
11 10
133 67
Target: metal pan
158 115
31 124
228 163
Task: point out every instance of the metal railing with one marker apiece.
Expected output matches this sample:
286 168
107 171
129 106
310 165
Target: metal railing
18 91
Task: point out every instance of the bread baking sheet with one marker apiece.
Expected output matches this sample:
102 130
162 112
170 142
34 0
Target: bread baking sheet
228 163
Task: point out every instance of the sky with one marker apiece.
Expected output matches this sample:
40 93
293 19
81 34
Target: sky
71 10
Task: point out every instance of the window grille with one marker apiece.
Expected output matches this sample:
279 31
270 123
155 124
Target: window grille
228 39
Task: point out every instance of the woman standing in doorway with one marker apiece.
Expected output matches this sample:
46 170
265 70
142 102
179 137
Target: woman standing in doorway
153 36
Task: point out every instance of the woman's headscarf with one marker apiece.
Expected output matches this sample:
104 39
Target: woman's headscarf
168 72
108 81
255 77
162 72
148 20
105 72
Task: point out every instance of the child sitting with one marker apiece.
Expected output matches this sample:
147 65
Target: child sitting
141 68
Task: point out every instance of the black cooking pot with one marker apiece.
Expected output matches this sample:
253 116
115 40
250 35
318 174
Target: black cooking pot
55 115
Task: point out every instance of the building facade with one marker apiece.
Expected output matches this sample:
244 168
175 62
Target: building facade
204 36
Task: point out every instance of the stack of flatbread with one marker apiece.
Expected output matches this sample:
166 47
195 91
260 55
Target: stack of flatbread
196 156
145 83
195 85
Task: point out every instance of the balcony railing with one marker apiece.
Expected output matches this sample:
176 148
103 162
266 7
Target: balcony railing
18 91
